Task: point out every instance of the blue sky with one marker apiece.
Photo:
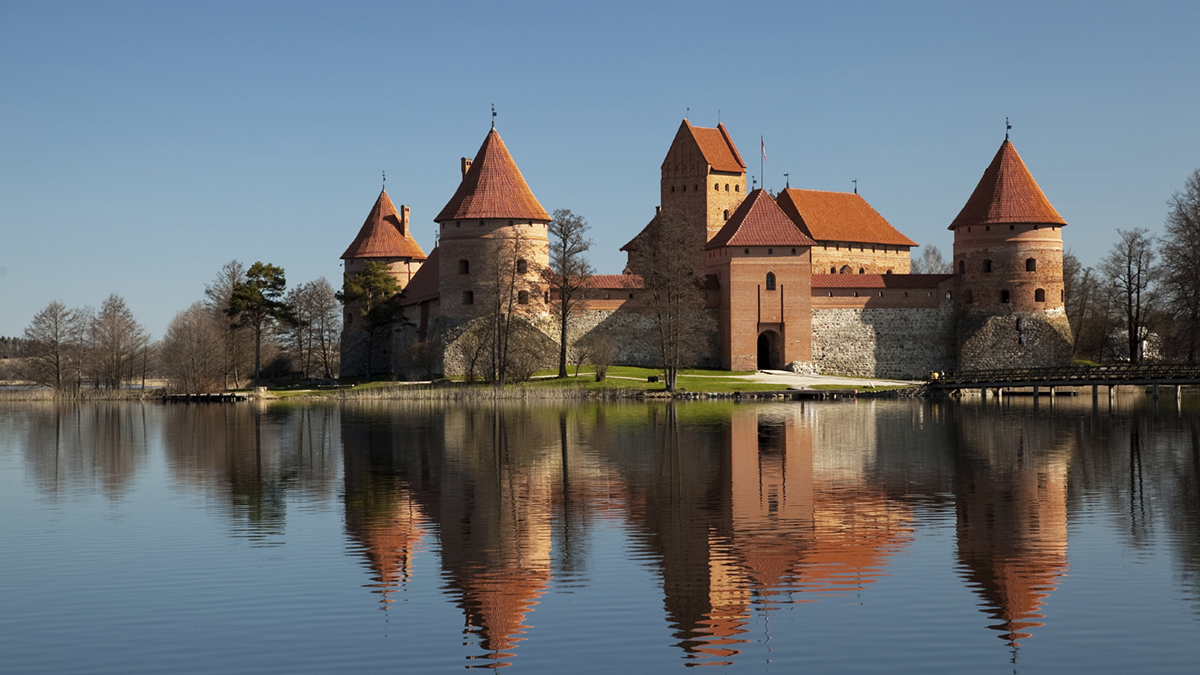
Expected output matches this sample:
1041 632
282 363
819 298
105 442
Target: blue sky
143 145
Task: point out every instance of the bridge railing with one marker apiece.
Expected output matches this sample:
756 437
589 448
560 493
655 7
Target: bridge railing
1081 374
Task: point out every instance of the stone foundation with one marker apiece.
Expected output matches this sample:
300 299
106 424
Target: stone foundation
1017 340
891 342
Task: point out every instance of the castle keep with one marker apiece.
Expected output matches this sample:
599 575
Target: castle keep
808 280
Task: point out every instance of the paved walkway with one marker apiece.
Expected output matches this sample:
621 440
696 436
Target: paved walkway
787 379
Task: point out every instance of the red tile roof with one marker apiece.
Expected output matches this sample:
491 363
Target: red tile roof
424 284
717 147
759 221
839 216
614 281
383 235
878 280
1007 193
493 188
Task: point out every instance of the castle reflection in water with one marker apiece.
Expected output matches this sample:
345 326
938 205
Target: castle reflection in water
738 508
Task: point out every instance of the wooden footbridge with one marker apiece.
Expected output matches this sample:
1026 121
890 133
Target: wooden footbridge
1153 376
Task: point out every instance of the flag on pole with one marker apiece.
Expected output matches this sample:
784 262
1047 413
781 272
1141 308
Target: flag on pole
764 147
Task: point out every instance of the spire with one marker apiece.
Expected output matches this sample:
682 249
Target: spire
1007 193
493 187
385 234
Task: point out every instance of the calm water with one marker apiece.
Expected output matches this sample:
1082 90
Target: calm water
907 536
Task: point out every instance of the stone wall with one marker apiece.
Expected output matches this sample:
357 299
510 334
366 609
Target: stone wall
888 342
1017 340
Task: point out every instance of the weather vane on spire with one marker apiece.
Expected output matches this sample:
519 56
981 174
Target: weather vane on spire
384 180
855 181
1007 128
493 115
787 181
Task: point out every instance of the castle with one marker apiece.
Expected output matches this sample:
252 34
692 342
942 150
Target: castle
807 280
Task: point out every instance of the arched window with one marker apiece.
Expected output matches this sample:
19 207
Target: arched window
833 270
962 267
726 214
1039 295
464 266
1004 297
717 186
695 188
468 297
969 297
736 188
770 281
522 297
987 266
1031 264
861 270
522 266
510 223
727 187
770 251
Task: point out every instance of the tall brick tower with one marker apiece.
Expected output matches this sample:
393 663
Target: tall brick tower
703 177
1008 252
492 213
385 238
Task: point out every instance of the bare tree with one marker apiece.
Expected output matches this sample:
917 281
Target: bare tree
1180 248
931 262
236 340
52 347
669 269
568 273
116 340
511 295
192 351
325 319
1130 273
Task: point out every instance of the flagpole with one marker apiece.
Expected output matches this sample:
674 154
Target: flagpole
762 157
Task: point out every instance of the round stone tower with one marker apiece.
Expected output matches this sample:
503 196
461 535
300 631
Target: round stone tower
1008 252
493 234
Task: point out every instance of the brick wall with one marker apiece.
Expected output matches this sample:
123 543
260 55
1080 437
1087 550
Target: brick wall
871 258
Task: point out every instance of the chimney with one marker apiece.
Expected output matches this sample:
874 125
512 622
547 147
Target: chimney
404 220
657 210
466 166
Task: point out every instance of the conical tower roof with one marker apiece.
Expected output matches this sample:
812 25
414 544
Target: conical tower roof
384 235
1007 193
493 188
759 222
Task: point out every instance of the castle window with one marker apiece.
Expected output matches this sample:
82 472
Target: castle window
831 294
458 223
726 214
987 266
793 251
481 223
881 294
464 266
606 296
1062 296
856 294
522 297
860 270
1005 297
510 223
717 186
1039 295
1031 264
747 251
969 297
468 297
727 187
889 271
770 251
695 188
672 188
631 296
685 188
1011 227
522 266
770 281
962 267
833 270
736 188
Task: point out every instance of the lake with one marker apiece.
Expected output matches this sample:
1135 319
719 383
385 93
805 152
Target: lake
914 536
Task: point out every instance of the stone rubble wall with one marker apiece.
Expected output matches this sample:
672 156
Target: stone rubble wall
886 342
1038 339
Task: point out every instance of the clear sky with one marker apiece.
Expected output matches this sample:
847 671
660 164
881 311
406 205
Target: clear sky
144 145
